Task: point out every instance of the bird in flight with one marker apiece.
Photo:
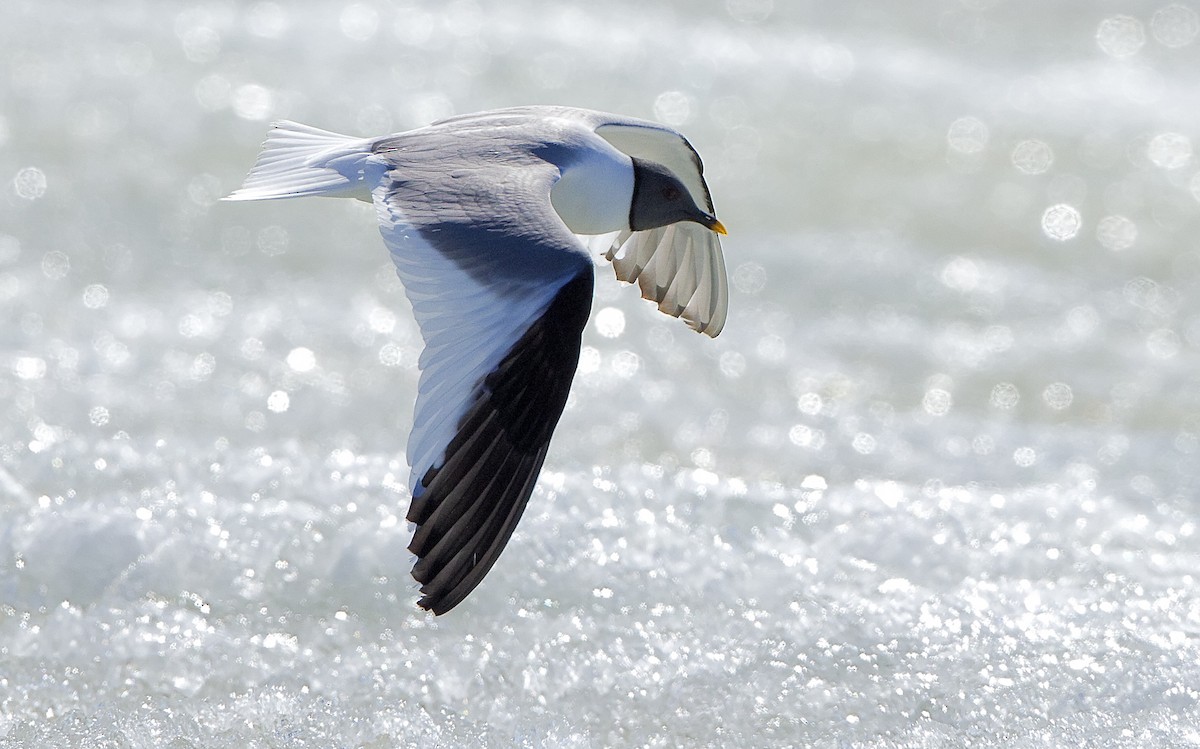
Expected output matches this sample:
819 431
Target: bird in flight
491 220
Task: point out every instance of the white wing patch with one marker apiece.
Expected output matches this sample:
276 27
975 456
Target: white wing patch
680 267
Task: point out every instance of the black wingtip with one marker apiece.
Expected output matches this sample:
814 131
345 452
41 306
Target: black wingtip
438 607
470 505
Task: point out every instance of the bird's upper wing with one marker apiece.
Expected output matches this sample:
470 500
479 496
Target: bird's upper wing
501 291
679 266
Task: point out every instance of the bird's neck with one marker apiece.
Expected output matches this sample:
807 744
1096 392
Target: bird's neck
595 190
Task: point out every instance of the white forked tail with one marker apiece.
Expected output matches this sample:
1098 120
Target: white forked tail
300 160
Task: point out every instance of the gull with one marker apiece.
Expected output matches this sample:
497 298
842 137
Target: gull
492 220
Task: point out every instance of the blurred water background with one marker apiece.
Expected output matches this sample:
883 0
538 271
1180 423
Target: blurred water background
935 485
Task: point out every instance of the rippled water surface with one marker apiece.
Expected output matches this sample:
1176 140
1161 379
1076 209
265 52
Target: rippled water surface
936 484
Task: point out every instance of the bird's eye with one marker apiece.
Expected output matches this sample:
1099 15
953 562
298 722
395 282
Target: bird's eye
670 192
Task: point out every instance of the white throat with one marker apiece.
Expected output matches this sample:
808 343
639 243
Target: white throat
595 191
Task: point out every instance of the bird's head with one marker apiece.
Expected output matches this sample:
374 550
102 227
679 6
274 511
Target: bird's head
660 199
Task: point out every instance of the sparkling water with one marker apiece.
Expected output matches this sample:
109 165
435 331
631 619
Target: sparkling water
935 485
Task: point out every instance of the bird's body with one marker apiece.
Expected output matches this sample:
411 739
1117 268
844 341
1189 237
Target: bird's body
490 219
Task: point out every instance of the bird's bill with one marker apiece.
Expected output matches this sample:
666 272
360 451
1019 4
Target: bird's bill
715 225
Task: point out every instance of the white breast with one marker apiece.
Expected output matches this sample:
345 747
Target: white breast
595 191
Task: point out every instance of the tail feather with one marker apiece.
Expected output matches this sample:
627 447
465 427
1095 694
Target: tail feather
299 160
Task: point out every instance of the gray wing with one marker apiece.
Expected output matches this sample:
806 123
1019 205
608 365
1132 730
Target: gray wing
501 291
